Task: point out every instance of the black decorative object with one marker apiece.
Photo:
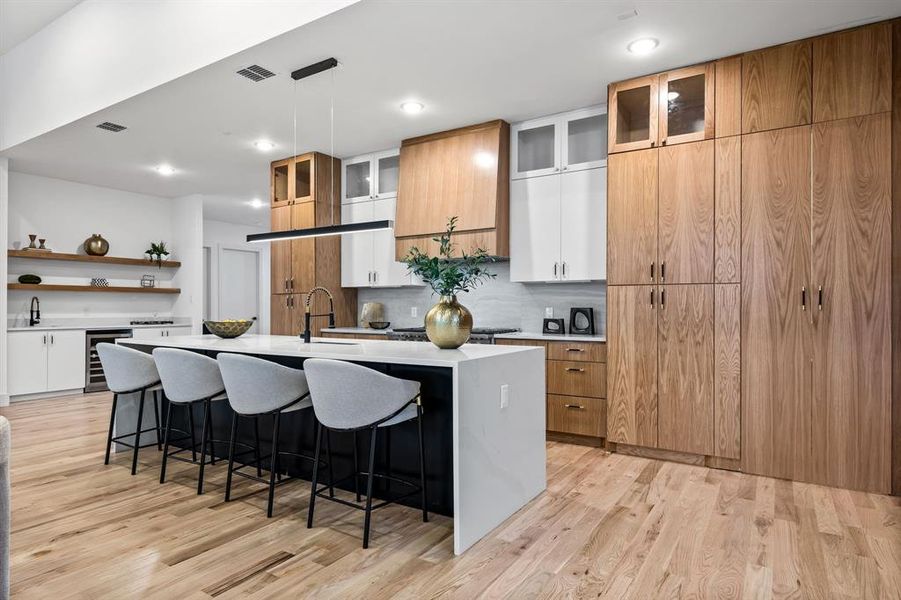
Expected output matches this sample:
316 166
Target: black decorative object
30 279
554 326
99 282
581 321
148 281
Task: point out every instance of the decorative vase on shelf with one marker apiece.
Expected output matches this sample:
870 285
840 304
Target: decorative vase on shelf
448 324
96 245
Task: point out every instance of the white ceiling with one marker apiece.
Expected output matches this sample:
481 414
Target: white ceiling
468 62
20 19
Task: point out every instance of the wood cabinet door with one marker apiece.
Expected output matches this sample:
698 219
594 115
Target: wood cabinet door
632 217
280 252
685 208
776 87
852 73
685 377
852 266
303 251
686 104
281 314
776 334
632 107
632 365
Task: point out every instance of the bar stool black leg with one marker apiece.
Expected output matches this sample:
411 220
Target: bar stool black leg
274 467
166 443
209 416
134 456
156 413
231 457
367 520
203 440
256 449
425 510
112 423
315 476
328 452
190 407
356 469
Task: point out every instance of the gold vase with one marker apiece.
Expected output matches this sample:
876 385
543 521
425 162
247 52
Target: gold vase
96 245
448 323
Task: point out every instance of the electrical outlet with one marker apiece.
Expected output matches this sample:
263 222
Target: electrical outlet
505 396
549 312
414 311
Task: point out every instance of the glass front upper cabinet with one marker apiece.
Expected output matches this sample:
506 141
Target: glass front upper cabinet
279 190
584 139
633 108
357 179
303 169
387 167
535 148
686 105
370 176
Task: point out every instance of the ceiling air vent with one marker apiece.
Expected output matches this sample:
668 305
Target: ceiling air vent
256 73
114 127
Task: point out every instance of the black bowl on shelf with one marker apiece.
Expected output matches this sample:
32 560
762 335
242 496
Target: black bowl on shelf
379 324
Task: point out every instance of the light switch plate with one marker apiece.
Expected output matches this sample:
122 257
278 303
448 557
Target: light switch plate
414 311
549 312
505 396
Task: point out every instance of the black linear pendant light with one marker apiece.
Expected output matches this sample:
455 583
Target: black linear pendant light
333 229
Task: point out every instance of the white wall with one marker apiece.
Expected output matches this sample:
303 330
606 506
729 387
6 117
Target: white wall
218 235
102 52
66 213
4 244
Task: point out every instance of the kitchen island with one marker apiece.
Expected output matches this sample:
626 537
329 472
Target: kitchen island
484 419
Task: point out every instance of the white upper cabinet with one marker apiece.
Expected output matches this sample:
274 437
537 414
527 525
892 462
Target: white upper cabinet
370 176
565 142
367 259
558 198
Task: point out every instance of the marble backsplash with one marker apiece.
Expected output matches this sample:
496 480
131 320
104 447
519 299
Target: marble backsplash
498 303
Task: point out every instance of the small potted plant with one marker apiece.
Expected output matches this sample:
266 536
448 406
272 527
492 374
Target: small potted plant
157 252
448 324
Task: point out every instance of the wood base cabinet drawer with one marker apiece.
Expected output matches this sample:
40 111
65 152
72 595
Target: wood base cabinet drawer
573 378
580 351
577 415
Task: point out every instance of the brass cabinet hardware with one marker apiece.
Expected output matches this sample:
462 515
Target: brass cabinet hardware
575 406
574 369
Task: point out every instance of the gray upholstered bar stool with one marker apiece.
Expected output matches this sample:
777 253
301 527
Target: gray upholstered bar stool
256 388
349 397
130 371
189 378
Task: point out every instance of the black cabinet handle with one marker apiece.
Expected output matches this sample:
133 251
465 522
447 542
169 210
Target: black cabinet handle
803 298
662 298
820 298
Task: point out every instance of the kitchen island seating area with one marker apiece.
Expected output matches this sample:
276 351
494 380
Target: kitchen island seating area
348 398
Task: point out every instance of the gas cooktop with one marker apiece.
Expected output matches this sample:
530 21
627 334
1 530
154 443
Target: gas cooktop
480 335
151 322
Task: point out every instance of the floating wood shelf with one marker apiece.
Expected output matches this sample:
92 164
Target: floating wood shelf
52 287
109 260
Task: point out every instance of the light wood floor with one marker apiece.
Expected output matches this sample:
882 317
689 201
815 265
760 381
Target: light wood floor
609 526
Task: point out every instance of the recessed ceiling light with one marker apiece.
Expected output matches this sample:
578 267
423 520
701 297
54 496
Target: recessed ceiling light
672 95
263 145
642 46
165 170
256 203
412 107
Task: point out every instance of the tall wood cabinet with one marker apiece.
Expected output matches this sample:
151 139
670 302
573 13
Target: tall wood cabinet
305 193
750 275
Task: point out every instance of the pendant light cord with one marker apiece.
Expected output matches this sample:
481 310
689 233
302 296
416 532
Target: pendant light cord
331 180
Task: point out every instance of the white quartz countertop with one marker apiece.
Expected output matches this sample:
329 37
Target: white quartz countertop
378 351
550 337
92 326
357 330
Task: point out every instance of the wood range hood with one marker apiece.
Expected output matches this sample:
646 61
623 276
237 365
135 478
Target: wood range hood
464 173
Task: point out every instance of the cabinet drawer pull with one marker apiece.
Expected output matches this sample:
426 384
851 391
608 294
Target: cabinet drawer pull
803 298
820 298
574 406
652 272
575 370
663 272
575 349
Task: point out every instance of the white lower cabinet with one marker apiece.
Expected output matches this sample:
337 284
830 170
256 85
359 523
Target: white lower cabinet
558 227
45 361
149 333
367 259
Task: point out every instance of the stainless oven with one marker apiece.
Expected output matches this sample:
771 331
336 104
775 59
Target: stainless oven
95 380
